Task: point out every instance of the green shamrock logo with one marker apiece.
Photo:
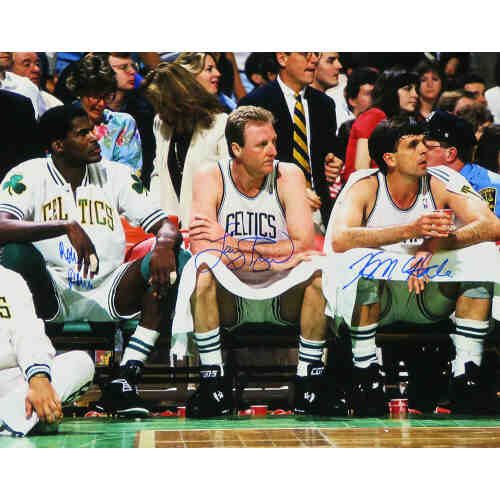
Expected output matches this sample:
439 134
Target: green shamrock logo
137 185
14 184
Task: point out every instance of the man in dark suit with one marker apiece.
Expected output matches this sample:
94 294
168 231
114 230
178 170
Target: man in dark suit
18 132
279 96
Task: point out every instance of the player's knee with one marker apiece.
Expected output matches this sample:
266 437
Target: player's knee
368 292
82 364
316 282
476 290
205 281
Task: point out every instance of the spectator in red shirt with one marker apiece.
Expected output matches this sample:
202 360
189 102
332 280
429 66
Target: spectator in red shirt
395 91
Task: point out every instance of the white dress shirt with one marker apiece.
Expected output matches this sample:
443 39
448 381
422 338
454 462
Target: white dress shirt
24 86
290 101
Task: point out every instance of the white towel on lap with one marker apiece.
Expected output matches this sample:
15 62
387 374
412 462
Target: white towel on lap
479 262
343 270
183 319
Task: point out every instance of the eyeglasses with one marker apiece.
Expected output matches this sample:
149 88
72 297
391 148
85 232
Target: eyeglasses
309 55
108 98
126 67
436 146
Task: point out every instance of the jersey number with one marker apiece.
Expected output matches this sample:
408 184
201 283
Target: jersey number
4 309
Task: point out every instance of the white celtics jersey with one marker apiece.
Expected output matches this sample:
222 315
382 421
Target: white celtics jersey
36 191
23 341
260 218
386 213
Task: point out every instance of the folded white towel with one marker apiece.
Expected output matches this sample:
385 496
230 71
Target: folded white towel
183 319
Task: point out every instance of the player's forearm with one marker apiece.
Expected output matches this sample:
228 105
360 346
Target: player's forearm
246 255
370 237
471 234
26 231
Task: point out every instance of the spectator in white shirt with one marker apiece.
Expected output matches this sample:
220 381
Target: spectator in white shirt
27 64
20 84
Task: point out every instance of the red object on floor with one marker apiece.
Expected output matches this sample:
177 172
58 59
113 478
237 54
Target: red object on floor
281 412
442 410
245 413
93 414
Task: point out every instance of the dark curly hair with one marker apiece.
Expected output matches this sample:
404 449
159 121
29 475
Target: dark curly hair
92 75
181 102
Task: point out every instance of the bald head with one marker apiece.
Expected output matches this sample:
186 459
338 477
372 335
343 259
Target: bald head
27 64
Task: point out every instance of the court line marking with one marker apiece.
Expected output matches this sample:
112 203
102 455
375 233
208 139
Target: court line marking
147 439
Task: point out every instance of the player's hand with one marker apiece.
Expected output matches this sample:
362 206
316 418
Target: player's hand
87 255
433 224
333 167
162 268
203 228
43 398
313 199
295 260
417 281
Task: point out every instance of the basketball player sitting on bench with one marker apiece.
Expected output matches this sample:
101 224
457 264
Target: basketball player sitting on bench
251 212
69 207
399 208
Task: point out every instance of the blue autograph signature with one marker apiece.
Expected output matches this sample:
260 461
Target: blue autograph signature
69 255
237 258
372 264
75 278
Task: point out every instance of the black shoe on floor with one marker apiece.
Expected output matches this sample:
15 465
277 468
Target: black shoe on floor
367 395
121 398
213 398
317 394
467 394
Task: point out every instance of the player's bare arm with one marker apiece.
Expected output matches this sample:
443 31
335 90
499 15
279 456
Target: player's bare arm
350 220
206 233
480 223
15 230
162 265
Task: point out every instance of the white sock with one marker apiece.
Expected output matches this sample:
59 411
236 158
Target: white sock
468 340
364 349
140 345
209 347
310 351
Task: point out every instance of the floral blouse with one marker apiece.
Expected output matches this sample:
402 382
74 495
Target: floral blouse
119 139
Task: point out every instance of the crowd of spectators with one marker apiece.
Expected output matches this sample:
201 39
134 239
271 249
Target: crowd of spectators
164 114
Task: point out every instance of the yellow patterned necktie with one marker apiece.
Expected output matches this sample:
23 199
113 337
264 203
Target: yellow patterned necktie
300 154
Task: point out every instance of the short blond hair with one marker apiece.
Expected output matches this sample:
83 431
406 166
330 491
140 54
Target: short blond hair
238 119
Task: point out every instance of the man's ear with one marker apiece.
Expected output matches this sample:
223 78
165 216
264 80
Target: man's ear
236 149
389 159
57 146
451 154
281 57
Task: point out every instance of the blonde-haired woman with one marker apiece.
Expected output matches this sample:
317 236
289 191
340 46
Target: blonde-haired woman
207 68
189 131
